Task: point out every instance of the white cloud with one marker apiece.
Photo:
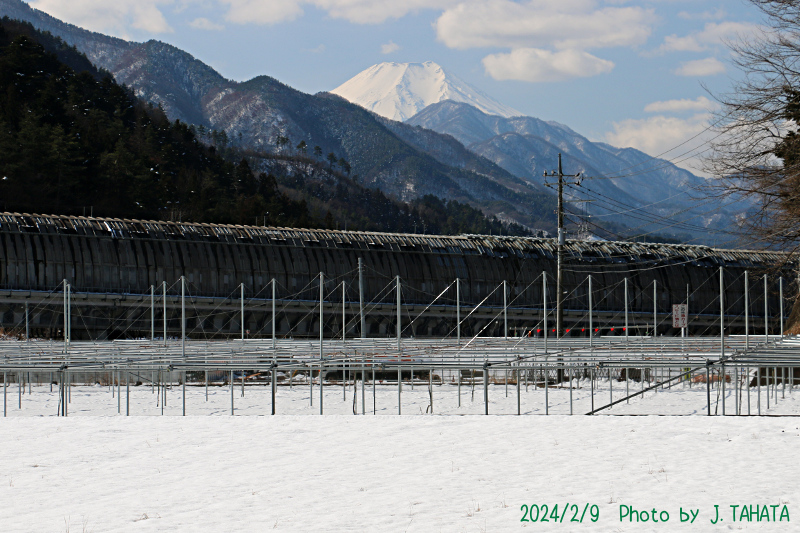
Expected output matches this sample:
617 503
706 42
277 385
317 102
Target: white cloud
672 138
377 11
712 34
716 14
563 24
265 12
677 106
116 17
357 11
205 24
536 65
389 47
709 66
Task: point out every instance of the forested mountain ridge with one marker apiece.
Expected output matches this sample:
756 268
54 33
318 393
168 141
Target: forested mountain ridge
259 113
73 141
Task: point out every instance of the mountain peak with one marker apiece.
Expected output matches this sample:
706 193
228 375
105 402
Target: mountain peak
399 91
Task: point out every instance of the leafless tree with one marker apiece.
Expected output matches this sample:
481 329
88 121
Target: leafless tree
756 150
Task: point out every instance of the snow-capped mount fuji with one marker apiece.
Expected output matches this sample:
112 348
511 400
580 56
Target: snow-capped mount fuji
399 91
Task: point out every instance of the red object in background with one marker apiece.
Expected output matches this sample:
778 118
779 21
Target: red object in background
539 330
612 329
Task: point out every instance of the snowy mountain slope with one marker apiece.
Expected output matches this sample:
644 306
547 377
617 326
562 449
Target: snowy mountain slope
400 90
527 147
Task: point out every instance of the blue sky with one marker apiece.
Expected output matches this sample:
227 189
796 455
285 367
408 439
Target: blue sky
628 72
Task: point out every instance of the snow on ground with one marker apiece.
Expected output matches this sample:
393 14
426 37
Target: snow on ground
99 471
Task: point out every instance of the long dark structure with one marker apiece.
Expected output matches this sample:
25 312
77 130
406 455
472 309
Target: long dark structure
113 267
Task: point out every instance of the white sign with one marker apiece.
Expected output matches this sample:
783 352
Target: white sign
680 315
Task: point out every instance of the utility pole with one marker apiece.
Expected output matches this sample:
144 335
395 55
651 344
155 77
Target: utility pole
560 211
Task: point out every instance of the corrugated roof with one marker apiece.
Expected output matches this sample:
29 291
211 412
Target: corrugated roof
497 246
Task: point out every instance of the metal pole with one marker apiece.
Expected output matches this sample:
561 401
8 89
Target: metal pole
27 324
591 325
519 407
361 298
505 310
344 317
722 327
458 311
152 313
780 289
746 318
363 387
570 388
66 318
311 368
626 316
708 386
546 388
397 284
242 311
544 310
273 314
766 312
485 387
183 317
69 313
560 253
164 302
655 309
399 389
273 384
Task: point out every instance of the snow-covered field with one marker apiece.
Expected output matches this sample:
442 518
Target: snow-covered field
99 471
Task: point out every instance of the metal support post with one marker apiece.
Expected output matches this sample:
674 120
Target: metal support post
152 313
626 315
655 309
361 298
242 310
274 318
544 310
591 325
397 284
746 318
164 304
780 291
399 389
505 310
486 387
722 319
344 315
458 311
708 386
183 317
766 311
273 385
66 316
